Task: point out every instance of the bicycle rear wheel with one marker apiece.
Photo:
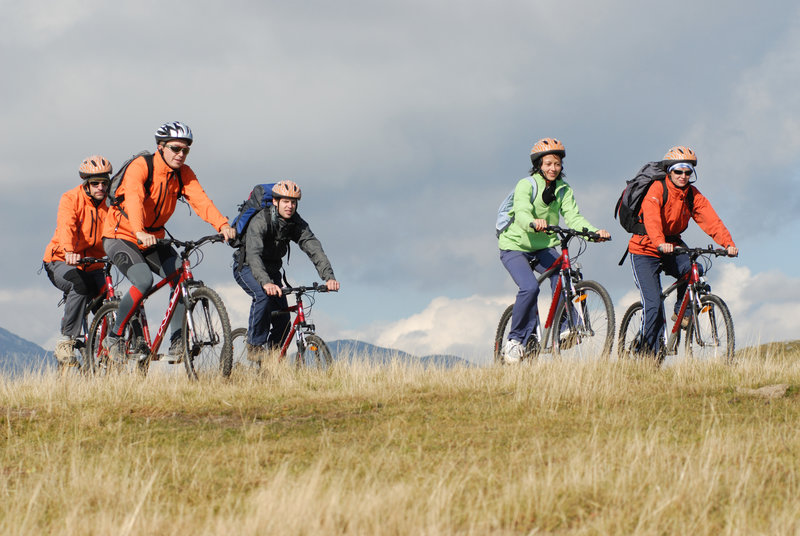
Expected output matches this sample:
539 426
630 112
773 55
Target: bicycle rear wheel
584 328
710 335
314 353
531 350
207 348
501 335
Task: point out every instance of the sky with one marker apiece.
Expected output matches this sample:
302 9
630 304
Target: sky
406 123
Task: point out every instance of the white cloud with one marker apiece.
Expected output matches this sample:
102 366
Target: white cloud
463 327
765 306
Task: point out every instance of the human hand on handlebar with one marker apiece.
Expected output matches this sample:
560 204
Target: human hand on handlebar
666 247
228 232
146 239
733 251
273 290
332 285
539 224
71 258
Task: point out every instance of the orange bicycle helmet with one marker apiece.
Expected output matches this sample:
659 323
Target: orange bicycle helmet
95 166
547 146
679 154
287 189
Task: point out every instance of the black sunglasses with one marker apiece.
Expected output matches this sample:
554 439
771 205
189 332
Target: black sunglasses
687 172
178 149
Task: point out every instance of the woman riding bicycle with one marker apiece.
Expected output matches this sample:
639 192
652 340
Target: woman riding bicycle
539 201
651 253
149 192
81 213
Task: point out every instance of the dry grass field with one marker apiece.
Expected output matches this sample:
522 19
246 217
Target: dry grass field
551 447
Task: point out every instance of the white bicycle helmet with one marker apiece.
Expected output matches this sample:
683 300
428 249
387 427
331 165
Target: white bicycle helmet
174 131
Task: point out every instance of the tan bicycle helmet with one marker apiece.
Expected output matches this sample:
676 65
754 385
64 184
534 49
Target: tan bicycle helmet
95 167
547 146
679 154
287 189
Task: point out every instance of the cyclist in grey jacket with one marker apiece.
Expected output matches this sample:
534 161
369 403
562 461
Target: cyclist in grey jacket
257 269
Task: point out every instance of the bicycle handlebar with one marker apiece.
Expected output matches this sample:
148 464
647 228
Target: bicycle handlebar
564 232
696 252
189 244
94 260
316 287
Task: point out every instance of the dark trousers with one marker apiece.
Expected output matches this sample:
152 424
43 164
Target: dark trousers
525 314
261 308
79 287
647 275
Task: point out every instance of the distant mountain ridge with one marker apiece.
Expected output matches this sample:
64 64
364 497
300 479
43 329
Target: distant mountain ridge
18 355
348 349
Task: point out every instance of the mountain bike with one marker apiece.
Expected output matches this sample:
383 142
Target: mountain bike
580 320
312 352
105 294
709 326
206 329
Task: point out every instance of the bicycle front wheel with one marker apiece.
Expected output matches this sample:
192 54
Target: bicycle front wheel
314 353
584 327
710 334
207 348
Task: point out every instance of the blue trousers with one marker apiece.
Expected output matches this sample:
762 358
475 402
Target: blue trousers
258 325
647 275
525 314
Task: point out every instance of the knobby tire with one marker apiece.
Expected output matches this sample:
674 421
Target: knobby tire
207 352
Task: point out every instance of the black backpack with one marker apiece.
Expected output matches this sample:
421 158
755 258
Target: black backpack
629 204
116 180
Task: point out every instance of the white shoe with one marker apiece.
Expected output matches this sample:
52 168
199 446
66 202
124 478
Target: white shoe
513 352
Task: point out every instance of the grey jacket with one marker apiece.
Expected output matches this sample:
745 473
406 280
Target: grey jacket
267 242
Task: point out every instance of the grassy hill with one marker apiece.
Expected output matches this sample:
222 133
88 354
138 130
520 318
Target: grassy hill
574 448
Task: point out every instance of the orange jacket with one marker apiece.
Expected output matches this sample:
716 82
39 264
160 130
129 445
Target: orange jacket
151 213
671 219
79 227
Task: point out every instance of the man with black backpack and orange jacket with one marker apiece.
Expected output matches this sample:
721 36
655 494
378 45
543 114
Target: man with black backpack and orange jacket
146 198
664 221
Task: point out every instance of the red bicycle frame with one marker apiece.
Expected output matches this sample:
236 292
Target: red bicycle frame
561 265
183 275
299 320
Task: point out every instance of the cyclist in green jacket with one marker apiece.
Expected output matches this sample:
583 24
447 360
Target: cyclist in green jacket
534 208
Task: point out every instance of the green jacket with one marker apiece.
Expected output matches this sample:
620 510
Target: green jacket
520 236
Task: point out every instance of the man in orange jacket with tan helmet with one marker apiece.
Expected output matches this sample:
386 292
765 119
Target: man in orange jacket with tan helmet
79 225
